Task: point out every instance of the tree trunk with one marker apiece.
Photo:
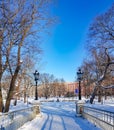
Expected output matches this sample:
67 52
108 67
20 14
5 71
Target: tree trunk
15 101
93 94
1 100
10 95
99 96
105 95
92 97
24 97
11 89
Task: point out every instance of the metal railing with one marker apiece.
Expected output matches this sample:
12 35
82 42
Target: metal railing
15 119
101 118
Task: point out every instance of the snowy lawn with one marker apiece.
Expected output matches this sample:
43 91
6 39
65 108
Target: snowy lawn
58 116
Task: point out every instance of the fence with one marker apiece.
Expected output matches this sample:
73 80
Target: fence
14 120
103 119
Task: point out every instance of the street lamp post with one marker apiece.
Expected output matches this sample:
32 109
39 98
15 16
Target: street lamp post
79 75
36 77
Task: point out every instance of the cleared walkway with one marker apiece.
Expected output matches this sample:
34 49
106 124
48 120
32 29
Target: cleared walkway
58 116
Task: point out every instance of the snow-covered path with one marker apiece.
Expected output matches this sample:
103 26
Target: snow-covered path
58 116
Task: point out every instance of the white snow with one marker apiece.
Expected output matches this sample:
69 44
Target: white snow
58 116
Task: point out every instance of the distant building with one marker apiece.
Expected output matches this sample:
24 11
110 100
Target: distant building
74 87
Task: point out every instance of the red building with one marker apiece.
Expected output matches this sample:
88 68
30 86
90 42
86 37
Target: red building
74 87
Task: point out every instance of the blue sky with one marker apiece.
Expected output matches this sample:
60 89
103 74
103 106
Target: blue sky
64 48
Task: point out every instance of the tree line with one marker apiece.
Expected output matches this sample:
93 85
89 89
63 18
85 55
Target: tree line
49 86
98 67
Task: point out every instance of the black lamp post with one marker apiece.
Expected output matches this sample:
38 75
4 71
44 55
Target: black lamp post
79 75
36 77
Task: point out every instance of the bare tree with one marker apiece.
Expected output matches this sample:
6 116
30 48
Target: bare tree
88 77
20 21
100 44
52 86
46 81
